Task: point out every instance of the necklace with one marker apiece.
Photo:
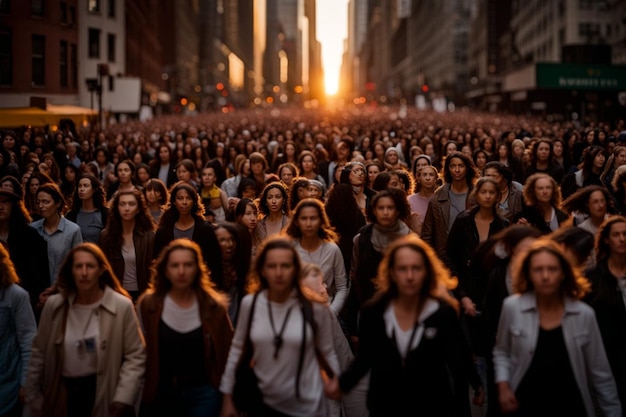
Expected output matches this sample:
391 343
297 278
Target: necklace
278 337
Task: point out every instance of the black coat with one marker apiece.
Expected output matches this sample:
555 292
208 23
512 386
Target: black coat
172 178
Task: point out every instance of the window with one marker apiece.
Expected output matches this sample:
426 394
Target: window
36 7
111 10
111 47
93 6
72 15
63 63
94 43
63 12
588 29
38 60
74 65
6 57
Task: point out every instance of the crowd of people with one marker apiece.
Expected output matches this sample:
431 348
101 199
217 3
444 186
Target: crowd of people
310 263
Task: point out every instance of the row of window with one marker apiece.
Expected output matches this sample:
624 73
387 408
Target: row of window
68 13
94 44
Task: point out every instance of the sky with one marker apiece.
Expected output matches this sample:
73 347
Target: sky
332 29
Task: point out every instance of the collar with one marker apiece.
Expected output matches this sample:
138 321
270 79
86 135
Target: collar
430 307
107 301
528 303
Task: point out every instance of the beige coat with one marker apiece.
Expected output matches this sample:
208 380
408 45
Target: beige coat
121 354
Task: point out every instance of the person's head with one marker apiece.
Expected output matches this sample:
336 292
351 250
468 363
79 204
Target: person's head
517 148
541 151
420 162
458 167
619 182
354 174
372 170
611 239
594 160
287 172
312 283
164 155
247 213
84 269
592 200
577 243
309 219
513 240
387 207
274 199
246 188
12 209
480 158
89 187
142 173
315 189
185 170
406 181
499 172
131 206
307 162
277 268
391 156
184 200
258 163
70 174
344 149
102 156
49 200
12 184
546 270
208 176
486 193
125 171
8 276
426 178
541 189
155 192
411 268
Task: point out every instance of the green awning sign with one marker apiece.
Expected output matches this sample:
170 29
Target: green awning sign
581 77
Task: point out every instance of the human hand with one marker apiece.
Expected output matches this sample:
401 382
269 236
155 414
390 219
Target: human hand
331 388
479 397
469 307
228 407
523 221
43 297
506 398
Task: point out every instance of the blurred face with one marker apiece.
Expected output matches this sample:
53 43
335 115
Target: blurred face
545 273
385 212
620 159
245 168
143 175
314 281
274 200
481 160
153 196
422 162
450 147
46 205
557 149
70 174
309 221
9 142
543 190
183 202
164 154
343 152
249 218
427 178
183 174
249 192
597 205
487 196
7 185
392 157
34 185
395 182
458 170
617 239
408 272
124 173
599 160
279 270
85 189
128 207
372 173
181 268
227 243
286 176
208 177
86 271
357 176
503 151
493 174
543 152
518 150
257 168
307 164
6 207
314 192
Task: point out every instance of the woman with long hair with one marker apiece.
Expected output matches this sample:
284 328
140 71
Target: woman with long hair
425 186
353 173
186 172
618 190
410 339
594 160
298 191
593 203
157 197
287 172
125 173
284 329
184 218
69 180
316 242
128 240
542 364
274 209
17 330
34 181
510 203
542 161
60 233
307 165
188 333
89 209
542 199
163 165
616 160
88 357
246 214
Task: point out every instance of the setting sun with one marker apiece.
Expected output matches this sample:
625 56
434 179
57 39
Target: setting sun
332 23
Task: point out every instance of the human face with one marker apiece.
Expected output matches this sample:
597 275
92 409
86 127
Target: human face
9 142
314 192
487 196
250 217
392 157
518 150
6 207
493 174
153 196
183 174
616 239
458 170
274 200
357 175
543 190
227 243
343 152
314 281
427 178
386 212
597 205
46 205
208 177
257 168
86 271
620 159
309 222
124 173
70 174
503 151
7 185
307 164
599 160
279 270
34 185
421 163
372 173
290 150
85 189
286 176
450 147
183 202
128 207
143 175
181 269
164 154
408 272
545 273
395 182
481 160
543 152
557 149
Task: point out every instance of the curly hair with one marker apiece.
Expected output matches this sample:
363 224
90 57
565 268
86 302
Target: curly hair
65 283
112 234
8 275
535 148
573 284
437 280
399 200
171 213
325 231
579 201
98 197
530 198
264 208
602 249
